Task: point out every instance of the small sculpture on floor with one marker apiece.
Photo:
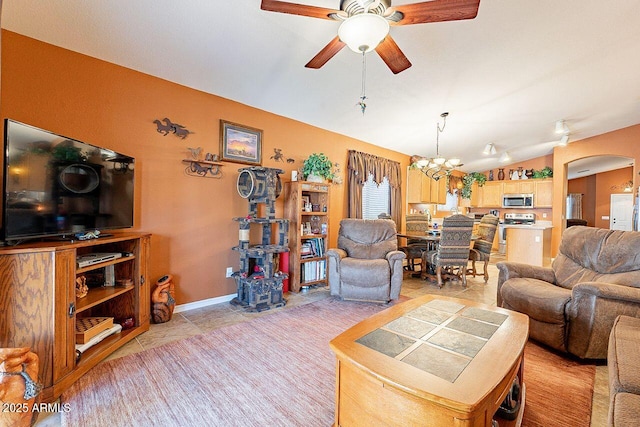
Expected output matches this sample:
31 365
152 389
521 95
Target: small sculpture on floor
18 386
163 299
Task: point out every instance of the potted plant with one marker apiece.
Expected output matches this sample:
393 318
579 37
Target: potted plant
317 167
545 172
467 182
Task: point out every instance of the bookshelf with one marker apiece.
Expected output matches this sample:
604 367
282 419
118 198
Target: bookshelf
307 209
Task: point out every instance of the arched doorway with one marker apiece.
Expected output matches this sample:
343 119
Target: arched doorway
590 183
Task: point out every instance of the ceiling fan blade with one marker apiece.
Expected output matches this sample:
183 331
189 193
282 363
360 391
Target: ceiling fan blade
326 53
297 9
437 11
392 55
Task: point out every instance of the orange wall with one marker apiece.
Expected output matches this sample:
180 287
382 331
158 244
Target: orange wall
623 142
587 187
191 218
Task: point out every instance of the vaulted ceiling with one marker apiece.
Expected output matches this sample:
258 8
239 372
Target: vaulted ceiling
505 77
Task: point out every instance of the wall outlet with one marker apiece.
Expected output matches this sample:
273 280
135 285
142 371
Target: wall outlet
229 272
544 214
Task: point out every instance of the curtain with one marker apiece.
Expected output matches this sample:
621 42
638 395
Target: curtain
359 166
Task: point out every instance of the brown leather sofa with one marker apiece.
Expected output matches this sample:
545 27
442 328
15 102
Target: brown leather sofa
572 304
367 264
623 364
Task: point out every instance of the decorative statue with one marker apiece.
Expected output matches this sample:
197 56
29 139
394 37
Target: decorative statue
163 299
18 386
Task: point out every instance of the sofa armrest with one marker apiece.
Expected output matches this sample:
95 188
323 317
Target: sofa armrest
395 259
510 270
395 256
334 256
591 312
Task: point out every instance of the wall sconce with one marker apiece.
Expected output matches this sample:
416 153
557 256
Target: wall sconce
489 149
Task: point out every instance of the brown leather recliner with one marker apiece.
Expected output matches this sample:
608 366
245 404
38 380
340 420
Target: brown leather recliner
367 264
572 304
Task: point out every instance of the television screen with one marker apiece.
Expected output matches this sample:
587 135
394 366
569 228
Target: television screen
57 186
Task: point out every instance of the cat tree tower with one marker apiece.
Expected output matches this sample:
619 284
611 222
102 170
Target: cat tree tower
259 286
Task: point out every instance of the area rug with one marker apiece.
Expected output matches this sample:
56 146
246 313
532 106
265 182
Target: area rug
275 370
559 390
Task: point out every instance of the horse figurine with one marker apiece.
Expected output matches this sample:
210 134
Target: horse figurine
168 126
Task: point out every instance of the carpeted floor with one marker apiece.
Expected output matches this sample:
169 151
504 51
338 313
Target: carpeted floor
276 370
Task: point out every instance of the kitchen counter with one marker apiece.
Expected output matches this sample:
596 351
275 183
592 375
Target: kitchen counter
529 244
540 225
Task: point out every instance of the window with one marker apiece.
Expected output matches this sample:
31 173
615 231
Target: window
452 202
376 199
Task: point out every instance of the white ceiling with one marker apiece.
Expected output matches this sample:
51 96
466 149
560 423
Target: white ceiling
505 77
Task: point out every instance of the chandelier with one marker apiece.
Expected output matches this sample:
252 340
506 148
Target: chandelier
438 166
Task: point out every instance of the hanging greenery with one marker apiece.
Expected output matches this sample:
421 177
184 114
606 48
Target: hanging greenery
467 182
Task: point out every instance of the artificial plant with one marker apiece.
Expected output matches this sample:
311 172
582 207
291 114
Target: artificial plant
467 182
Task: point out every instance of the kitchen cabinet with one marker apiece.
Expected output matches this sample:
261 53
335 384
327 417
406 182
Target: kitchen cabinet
490 194
543 193
529 244
525 186
422 189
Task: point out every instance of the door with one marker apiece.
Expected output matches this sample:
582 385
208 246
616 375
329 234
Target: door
621 212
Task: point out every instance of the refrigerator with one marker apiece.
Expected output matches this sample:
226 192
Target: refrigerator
574 206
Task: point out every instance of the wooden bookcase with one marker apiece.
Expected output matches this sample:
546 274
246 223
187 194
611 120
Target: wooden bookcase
307 269
39 308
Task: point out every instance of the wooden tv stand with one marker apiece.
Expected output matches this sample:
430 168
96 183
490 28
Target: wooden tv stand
39 308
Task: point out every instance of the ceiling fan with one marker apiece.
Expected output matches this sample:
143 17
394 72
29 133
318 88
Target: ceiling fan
379 14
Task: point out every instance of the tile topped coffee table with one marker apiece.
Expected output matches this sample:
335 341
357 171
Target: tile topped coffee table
428 361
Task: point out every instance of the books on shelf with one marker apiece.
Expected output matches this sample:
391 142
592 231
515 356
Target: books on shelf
313 248
313 271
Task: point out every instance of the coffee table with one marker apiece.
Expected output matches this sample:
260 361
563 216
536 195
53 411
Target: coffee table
429 361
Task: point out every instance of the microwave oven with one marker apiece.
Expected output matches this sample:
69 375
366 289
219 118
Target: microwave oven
515 201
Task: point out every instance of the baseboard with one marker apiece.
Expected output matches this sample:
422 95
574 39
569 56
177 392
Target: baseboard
203 303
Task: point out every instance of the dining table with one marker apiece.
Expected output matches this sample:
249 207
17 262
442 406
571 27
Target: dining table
432 237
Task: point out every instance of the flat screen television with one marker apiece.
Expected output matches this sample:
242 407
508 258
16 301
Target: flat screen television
58 186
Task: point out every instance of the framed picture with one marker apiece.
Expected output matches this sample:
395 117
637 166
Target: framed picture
240 144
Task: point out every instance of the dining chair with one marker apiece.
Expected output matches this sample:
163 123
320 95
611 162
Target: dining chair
481 250
452 254
415 223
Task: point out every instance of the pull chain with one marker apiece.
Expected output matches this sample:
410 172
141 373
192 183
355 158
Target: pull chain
363 96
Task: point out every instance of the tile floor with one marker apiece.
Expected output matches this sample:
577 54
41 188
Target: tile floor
203 320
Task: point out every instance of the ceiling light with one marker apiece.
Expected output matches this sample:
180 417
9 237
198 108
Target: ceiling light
564 140
489 149
438 166
363 32
561 127
506 157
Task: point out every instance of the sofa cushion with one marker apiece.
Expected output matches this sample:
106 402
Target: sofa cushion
538 299
623 411
365 273
624 355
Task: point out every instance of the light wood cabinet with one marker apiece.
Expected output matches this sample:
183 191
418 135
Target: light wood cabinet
525 186
422 189
490 194
308 232
543 194
39 308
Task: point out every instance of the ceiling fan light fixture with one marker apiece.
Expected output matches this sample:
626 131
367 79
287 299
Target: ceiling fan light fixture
362 33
